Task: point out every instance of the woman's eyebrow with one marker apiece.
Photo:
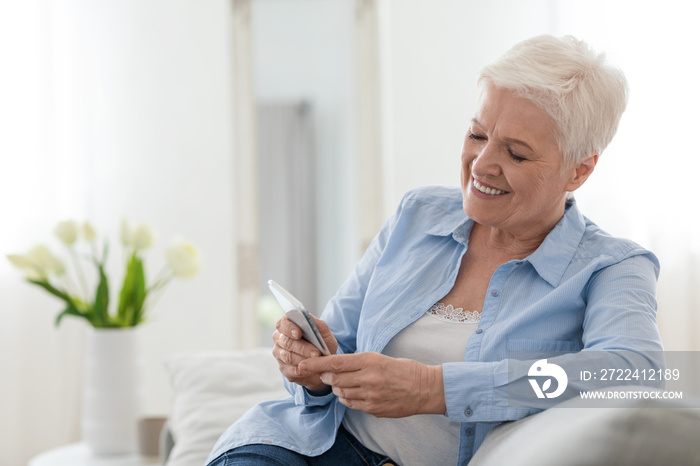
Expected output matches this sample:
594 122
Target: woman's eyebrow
509 140
519 142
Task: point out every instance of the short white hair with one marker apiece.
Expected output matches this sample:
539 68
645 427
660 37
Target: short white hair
582 93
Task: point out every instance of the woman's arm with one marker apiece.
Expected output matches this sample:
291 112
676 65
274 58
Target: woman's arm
619 331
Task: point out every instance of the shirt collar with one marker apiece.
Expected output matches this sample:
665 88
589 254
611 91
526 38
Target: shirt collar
551 258
459 226
554 255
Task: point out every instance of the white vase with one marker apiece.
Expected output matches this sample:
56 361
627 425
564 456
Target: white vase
112 391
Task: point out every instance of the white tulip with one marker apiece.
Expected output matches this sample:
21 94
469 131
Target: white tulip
43 262
142 236
25 265
19 261
67 231
126 233
89 232
183 258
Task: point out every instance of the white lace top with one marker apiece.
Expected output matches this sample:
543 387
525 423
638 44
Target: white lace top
450 314
441 335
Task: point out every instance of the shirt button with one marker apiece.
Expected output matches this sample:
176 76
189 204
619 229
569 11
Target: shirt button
479 331
494 293
469 432
518 263
468 411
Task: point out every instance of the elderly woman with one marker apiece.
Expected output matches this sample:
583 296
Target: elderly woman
457 279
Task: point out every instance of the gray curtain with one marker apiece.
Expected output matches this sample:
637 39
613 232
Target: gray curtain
287 199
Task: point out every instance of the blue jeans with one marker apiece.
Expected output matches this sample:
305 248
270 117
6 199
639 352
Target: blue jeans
346 451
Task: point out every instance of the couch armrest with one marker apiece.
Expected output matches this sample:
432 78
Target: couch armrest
635 432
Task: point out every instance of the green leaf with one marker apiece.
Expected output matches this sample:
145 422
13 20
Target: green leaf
133 293
51 289
105 251
101 304
74 303
70 310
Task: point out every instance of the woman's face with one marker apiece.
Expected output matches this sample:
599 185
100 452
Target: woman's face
512 177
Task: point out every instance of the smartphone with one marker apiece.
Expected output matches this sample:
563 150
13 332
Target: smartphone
298 314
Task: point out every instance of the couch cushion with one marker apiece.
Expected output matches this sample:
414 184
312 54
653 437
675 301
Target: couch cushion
210 391
639 432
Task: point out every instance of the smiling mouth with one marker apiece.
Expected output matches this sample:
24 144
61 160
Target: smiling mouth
486 190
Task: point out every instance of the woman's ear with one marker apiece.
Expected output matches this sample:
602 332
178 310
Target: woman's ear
581 172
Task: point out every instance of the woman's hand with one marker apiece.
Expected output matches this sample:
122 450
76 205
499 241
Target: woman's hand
380 385
290 349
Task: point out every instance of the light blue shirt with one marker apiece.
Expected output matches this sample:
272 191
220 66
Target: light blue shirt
582 289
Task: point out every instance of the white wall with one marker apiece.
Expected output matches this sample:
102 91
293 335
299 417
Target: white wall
119 109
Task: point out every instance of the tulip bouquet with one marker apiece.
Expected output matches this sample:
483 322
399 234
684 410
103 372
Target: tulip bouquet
42 268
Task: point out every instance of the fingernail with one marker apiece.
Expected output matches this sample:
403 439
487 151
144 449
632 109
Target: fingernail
315 354
295 333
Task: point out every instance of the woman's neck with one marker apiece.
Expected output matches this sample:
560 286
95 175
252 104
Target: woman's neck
504 243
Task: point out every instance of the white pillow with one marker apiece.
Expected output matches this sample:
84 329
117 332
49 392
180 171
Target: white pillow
210 391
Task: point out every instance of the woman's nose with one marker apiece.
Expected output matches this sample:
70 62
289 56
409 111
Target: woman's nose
486 162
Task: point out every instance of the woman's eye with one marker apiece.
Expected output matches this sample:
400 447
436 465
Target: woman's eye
516 157
476 137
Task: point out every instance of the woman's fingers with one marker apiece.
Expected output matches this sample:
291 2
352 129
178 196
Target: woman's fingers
288 328
380 385
290 349
288 337
327 335
286 356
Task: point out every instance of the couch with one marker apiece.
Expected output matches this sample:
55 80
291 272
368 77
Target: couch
212 389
